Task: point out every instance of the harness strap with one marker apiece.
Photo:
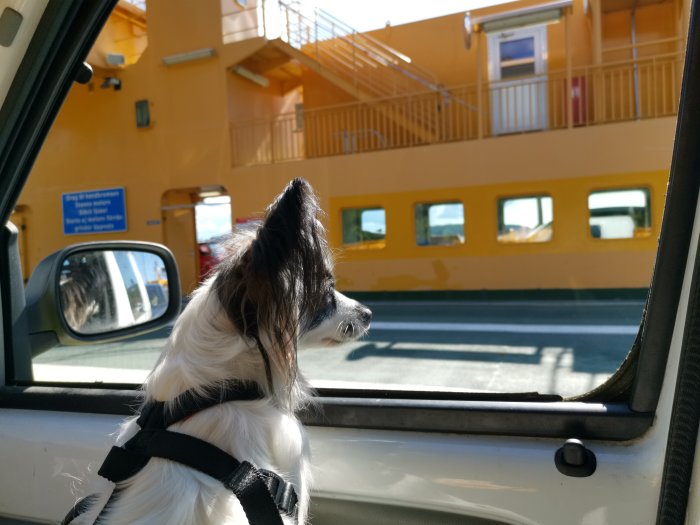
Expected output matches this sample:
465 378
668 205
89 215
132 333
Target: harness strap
262 494
189 403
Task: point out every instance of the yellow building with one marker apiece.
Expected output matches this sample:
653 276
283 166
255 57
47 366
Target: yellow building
522 146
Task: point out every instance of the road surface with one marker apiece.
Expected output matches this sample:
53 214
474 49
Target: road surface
559 347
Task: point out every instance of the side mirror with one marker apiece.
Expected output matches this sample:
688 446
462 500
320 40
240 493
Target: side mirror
99 292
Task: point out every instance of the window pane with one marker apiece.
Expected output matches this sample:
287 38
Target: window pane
517 70
517 58
143 114
520 49
365 227
620 214
447 311
525 219
440 223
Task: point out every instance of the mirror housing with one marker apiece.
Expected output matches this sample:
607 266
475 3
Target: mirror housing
111 292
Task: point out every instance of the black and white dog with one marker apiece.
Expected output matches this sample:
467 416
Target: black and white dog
271 295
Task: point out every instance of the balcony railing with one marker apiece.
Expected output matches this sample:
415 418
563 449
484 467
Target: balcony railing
614 92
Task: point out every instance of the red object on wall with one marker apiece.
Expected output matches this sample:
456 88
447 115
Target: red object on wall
207 260
579 101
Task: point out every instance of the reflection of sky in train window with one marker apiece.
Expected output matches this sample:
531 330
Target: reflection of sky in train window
364 227
374 221
619 214
446 214
525 219
525 212
608 199
439 223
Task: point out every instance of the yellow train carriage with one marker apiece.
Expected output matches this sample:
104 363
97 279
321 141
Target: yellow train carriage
567 251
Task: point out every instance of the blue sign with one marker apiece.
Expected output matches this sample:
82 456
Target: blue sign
96 211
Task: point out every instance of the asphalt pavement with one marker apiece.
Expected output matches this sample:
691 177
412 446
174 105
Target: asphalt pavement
558 347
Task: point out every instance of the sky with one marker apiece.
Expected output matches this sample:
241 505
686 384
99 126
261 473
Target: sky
365 15
213 218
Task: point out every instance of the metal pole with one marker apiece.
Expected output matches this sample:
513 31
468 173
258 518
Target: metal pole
637 109
569 85
479 94
264 22
596 76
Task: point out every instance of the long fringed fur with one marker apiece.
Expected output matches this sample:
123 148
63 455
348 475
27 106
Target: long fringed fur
279 280
274 289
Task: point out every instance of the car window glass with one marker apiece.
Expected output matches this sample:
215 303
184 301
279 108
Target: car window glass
497 213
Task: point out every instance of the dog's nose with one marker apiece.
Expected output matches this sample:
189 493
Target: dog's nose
365 315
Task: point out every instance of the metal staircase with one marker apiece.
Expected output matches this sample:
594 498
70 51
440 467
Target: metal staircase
362 66
373 68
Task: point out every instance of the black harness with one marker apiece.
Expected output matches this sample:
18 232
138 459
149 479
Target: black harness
264 495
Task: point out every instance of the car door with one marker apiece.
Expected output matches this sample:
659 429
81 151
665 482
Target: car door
382 456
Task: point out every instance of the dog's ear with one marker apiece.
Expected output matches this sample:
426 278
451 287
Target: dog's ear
279 279
290 230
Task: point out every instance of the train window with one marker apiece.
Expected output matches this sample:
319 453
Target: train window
620 214
525 219
364 227
439 223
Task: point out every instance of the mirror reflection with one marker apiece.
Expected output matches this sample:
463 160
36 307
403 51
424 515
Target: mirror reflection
106 290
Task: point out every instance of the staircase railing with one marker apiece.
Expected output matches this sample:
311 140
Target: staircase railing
368 63
373 69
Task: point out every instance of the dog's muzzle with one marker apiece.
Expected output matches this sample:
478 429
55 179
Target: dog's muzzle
356 327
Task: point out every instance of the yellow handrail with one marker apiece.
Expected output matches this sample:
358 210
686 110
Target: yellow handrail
604 93
629 47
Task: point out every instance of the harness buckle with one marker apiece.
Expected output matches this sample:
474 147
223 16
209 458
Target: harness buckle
282 492
238 475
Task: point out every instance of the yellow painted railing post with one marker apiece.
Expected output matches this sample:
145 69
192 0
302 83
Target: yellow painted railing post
597 45
272 141
569 98
479 91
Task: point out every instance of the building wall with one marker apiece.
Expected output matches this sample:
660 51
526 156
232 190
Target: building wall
569 162
95 144
615 149
454 65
